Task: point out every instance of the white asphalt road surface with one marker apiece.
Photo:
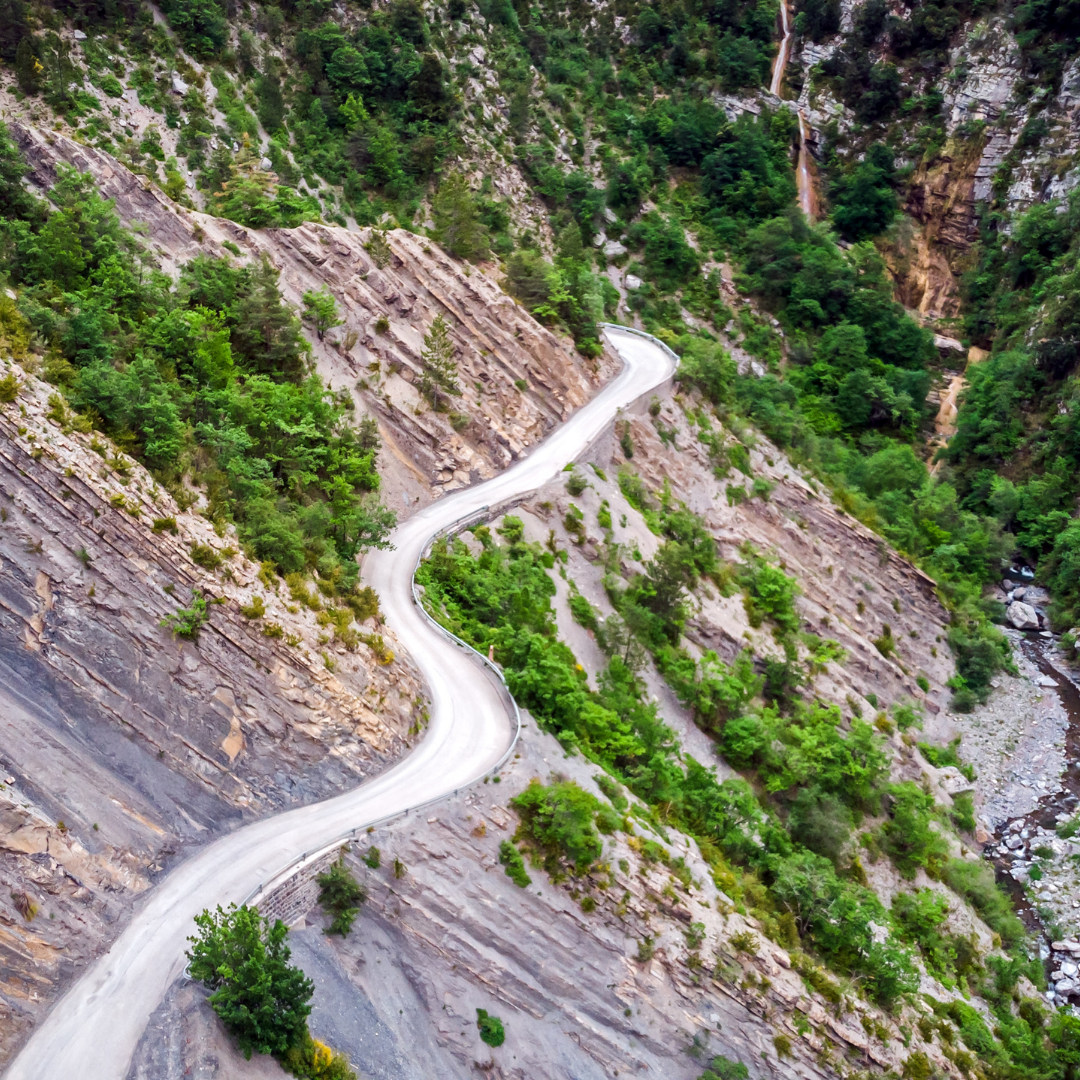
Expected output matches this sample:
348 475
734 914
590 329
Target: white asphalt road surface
93 1030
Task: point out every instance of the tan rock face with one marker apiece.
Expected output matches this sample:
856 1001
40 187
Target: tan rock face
123 745
927 258
518 380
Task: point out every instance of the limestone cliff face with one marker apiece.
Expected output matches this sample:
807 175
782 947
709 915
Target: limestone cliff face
123 745
1002 145
518 380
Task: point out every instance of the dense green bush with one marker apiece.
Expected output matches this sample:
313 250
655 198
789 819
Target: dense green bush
491 1028
511 858
723 1068
243 959
919 917
974 881
559 822
340 896
909 835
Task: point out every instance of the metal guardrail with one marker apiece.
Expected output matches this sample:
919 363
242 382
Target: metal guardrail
296 866
641 334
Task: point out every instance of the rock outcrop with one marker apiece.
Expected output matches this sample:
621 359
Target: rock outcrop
518 380
1022 616
123 744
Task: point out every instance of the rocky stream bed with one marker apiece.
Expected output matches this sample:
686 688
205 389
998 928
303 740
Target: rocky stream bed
1025 746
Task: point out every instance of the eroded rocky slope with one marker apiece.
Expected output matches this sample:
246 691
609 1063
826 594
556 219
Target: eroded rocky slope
445 932
124 744
128 745
518 379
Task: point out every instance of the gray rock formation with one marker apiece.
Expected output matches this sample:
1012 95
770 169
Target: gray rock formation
1022 616
123 744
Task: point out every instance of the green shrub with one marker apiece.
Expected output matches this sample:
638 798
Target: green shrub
244 960
364 604
722 1068
963 811
111 86
558 821
974 882
491 1028
187 622
512 528
746 942
917 1067
820 821
340 896
511 858
373 858
919 917
9 388
908 837
613 791
255 610
886 644
942 756
770 594
583 612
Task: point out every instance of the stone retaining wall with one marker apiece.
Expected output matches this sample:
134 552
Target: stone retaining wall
298 894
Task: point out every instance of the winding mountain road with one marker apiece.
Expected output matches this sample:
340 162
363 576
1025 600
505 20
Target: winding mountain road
93 1030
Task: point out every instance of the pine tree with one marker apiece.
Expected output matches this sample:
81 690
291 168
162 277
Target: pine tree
28 68
439 358
457 221
378 248
267 333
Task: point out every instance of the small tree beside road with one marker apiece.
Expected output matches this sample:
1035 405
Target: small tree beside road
262 999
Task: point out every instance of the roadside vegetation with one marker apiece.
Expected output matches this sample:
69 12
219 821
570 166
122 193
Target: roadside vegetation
789 831
262 999
786 842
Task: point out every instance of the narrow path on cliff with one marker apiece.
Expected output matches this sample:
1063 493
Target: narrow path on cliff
92 1031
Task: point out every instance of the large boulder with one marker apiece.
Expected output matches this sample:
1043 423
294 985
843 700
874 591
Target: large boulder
1022 616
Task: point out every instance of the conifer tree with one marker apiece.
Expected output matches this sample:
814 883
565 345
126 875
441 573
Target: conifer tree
28 68
439 358
457 221
378 248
